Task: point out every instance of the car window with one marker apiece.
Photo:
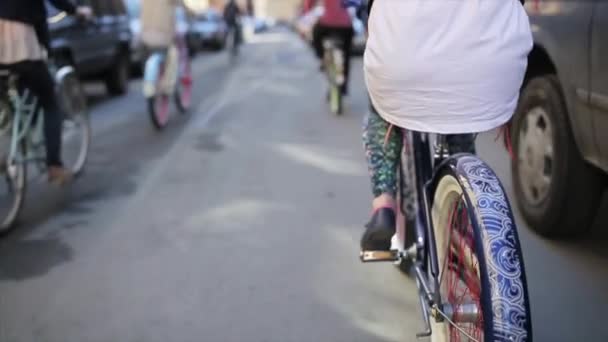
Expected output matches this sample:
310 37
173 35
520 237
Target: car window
210 16
133 8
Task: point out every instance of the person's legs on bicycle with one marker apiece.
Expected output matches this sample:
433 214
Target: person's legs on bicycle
347 34
318 34
383 144
35 76
345 37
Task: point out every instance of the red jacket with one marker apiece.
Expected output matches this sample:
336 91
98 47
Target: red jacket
334 15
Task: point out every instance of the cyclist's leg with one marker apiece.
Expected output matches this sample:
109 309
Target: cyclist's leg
317 39
171 67
347 43
383 144
318 34
36 77
154 70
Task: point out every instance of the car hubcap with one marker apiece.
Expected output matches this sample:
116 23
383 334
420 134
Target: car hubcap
535 155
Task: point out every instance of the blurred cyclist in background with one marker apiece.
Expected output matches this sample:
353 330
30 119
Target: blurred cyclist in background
24 43
159 34
336 22
232 13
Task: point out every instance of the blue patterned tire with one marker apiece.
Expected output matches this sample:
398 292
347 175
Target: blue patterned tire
480 258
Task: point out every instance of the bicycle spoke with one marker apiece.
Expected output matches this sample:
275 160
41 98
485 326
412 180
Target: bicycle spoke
459 277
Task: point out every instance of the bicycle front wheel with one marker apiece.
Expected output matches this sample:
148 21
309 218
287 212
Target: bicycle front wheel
13 179
76 134
481 273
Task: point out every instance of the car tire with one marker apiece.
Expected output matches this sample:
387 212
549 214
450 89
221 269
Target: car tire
557 191
117 81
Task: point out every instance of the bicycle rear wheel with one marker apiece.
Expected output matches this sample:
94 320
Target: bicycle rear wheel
481 273
76 134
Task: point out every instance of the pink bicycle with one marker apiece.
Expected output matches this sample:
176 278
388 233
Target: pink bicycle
168 74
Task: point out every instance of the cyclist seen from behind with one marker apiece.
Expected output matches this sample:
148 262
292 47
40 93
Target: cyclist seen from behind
158 34
335 22
24 43
232 13
436 66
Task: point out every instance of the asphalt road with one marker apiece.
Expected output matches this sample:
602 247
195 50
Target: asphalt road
241 222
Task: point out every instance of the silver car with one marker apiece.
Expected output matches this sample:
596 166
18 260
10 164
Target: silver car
560 151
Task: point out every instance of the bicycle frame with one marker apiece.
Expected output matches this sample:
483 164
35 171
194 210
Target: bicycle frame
27 122
424 252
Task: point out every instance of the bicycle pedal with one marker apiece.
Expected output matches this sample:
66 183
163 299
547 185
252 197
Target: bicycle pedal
380 256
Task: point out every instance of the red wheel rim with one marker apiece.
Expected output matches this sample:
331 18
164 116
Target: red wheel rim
161 108
460 283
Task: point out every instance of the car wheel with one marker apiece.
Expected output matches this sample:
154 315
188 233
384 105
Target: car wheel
557 191
117 80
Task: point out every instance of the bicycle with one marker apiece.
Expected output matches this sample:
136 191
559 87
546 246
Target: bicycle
333 60
168 73
22 122
464 250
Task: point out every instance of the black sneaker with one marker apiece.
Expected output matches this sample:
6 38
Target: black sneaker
379 231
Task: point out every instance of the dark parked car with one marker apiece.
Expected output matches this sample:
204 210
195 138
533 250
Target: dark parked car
210 29
98 48
561 149
138 51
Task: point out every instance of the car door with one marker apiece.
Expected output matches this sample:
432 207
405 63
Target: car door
104 22
599 79
121 31
70 36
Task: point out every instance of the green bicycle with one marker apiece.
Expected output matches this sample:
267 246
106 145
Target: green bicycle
22 138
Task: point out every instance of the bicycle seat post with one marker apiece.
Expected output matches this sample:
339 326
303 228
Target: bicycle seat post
441 149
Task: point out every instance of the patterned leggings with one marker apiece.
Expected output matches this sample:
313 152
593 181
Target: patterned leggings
384 144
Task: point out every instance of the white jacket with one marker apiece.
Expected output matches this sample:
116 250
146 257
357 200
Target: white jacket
447 66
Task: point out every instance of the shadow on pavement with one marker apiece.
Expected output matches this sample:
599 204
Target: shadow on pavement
25 259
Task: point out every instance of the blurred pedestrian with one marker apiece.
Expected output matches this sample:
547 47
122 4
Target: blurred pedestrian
232 14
